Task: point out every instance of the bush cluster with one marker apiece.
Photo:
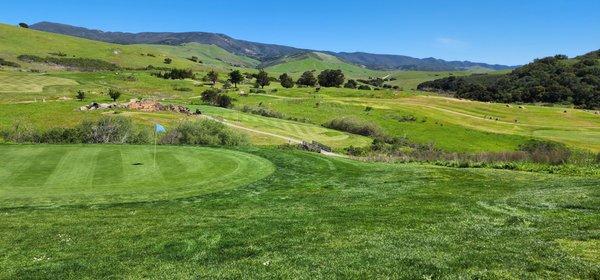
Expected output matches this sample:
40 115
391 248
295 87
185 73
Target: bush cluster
262 111
402 149
115 130
175 74
79 63
547 80
119 130
203 132
257 90
353 125
331 78
9 63
545 151
216 98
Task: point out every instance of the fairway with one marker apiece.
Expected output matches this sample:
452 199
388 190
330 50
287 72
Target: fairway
315 218
58 175
14 82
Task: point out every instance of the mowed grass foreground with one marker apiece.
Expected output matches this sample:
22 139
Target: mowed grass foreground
314 217
59 175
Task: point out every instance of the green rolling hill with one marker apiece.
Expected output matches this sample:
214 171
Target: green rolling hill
15 41
318 61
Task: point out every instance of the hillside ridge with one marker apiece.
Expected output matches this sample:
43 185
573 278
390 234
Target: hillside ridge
262 51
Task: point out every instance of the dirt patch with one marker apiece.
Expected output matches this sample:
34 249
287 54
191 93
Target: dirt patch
138 105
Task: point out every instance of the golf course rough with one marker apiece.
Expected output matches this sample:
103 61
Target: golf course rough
54 175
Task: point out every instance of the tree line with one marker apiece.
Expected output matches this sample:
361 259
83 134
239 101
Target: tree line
556 79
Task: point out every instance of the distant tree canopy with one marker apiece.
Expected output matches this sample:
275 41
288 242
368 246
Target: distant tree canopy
24 25
549 80
286 81
212 76
331 78
79 63
80 95
176 74
351 84
262 79
168 60
307 79
236 77
114 94
216 98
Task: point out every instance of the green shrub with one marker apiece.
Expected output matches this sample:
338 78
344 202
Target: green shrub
351 84
8 63
203 132
352 125
176 74
184 89
546 151
80 95
286 81
216 98
83 64
406 118
114 94
255 90
262 112
115 130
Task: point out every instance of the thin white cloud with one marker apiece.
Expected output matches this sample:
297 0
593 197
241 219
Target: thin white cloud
451 42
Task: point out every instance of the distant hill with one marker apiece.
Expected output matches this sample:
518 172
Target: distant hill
556 79
18 41
401 62
297 64
260 51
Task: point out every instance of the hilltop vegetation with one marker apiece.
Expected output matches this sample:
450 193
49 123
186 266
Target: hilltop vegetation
263 52
51 48
549 80
297 64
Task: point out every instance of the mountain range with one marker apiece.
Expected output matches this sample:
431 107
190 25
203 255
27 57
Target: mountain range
265 53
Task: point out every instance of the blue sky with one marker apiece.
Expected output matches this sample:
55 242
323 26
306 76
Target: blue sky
494 31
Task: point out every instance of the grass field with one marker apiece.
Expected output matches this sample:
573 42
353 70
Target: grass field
17 41
295 66
49 175
20 82
271 211
314 217
296 130
450 123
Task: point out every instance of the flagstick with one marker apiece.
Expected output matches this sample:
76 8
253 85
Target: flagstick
155 148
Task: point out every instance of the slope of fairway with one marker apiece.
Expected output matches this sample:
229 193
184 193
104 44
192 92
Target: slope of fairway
21 82
318 218
292 129
449 123
92 174
578 128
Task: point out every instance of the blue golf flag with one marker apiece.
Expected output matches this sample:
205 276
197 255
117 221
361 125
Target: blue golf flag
159 128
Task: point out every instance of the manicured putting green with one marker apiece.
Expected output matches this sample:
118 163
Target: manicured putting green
50 175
